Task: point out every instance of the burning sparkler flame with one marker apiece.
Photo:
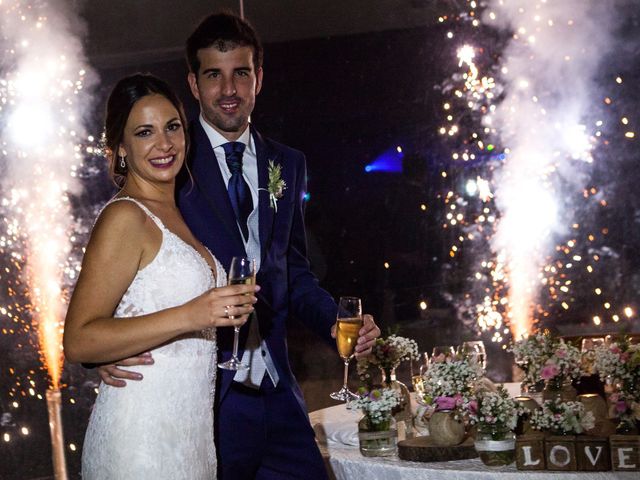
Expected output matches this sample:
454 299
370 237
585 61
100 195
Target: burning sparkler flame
41 102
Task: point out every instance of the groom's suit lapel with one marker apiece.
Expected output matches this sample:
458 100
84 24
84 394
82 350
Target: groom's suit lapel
264 154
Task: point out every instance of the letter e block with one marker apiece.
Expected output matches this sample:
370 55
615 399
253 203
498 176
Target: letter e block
625 452
592 453
530 451
560 452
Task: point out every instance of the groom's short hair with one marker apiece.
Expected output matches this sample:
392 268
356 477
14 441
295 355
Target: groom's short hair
224 31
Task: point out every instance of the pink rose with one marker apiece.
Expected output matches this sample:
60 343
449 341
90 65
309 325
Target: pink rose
549 371
473 407
621 406
446 403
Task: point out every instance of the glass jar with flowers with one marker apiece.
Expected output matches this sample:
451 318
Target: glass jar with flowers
618 364
387 354
496 416
377 434
448 391
543 357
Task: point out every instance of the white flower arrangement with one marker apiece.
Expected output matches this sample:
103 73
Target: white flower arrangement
562 418
376 404
388 353
496 409
543 357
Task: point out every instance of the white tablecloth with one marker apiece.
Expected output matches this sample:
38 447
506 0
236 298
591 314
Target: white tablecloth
336 431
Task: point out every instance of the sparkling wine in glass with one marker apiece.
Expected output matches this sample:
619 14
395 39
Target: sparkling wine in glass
348 324
241 272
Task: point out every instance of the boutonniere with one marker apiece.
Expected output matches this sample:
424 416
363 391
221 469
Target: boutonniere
276 185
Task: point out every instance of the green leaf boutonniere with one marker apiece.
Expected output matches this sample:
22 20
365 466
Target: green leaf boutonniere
276 185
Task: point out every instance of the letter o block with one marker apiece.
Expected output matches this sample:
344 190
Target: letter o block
560 452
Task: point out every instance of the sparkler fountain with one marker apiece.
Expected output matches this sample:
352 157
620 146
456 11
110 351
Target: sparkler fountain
534 138
41 94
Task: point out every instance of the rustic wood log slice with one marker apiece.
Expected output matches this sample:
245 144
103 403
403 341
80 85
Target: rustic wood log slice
422 449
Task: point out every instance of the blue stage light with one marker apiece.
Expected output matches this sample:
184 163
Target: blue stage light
390 161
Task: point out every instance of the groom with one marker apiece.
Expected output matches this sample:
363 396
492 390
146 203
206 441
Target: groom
246 199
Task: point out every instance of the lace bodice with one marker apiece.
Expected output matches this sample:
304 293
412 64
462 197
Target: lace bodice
155 287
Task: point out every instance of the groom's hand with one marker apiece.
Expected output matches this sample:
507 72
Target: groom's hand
367 336
114 376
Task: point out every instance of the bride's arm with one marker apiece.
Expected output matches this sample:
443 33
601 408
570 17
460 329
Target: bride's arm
120 243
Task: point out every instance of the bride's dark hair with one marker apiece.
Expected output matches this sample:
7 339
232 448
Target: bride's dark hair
121 100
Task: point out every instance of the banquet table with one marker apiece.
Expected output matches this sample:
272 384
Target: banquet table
336 432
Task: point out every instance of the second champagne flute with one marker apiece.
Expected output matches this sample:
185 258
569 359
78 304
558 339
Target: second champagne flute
241 272
349 322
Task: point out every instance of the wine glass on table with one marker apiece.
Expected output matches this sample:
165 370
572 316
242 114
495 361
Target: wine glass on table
475 349
241 272
441 353
348 324
418 380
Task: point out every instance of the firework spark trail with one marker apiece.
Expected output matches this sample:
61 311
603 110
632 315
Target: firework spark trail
547 68
42 94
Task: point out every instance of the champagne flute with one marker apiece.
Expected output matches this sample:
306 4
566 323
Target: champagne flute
418 380
348 324
241 272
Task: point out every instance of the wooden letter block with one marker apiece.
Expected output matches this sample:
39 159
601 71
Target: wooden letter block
560 452
530 451
625 452
592 453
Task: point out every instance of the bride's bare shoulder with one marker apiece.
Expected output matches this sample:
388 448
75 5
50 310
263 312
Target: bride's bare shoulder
121 221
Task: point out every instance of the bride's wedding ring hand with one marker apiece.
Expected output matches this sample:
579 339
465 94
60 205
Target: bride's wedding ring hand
227 306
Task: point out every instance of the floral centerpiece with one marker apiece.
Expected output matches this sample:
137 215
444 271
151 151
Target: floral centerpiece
496 415
376 405
376 432
449 385
542 356
619 364
562 418
496 410
448 393
387 354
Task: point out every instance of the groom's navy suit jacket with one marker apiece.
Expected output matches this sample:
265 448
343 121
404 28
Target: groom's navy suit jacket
287 285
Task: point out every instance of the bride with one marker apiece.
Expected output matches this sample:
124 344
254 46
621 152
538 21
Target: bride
148 284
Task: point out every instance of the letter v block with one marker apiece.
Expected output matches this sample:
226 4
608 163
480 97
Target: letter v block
593 453
625 452
530 451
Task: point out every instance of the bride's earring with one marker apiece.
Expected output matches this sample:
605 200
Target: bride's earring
123 164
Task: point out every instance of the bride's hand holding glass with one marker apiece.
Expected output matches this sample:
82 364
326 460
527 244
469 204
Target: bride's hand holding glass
228 306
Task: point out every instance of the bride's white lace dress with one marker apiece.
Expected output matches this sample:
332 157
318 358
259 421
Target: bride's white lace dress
162 426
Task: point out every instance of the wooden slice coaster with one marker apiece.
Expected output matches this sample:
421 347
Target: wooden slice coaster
421 449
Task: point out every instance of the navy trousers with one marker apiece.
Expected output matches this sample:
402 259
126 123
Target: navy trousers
263 435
